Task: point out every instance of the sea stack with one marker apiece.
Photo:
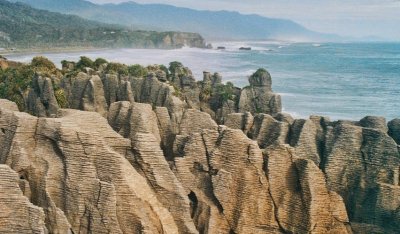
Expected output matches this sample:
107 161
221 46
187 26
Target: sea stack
258 97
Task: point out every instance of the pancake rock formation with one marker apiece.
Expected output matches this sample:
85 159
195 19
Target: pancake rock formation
169 154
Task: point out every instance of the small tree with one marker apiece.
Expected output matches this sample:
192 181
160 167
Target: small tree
137 70
84 62
118 68
99 61
42 62
174 65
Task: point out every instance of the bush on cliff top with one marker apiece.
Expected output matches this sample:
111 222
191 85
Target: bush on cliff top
84 62
42 62
117 68
15 81
99 61
173 66
137 70
260 72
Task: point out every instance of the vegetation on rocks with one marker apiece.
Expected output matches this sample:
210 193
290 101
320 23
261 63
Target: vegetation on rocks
137 70
15 81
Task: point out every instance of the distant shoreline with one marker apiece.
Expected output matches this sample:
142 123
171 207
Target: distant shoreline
72 49
49 50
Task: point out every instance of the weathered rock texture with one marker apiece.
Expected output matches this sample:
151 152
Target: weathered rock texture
258 97
360 161
17 214
78 172
90 90
41 100
89 179
146 155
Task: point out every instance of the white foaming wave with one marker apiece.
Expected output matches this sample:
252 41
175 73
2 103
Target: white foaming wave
287 94
198 50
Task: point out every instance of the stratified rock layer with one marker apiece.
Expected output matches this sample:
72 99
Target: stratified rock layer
78 171
160 163
17 214
258 97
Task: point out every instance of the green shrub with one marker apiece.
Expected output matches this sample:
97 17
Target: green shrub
117 68
206 93
165 69
42 62
68 65
137 70
261 72
61 98
15 81
99 61
84 62
226 92
173 66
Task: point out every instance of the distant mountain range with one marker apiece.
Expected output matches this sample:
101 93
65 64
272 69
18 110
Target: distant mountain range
22 26
210 24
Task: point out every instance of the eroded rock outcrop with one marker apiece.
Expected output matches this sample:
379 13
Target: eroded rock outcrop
160 163
360 160
258 97
41 100
85 92
79 174
17 214
303 201
362 164
9 105
394 130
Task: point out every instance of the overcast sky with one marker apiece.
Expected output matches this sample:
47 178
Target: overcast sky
345 17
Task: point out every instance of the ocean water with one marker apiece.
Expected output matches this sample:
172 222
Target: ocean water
342 81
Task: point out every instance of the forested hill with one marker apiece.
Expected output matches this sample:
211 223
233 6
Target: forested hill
22 26
213 25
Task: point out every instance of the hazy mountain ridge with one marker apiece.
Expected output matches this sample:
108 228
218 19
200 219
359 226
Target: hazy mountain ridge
22 26
210 24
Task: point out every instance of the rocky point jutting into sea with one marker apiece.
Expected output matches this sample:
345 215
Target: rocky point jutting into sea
97 150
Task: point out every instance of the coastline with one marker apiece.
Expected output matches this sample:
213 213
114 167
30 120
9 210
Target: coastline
318 81
50 50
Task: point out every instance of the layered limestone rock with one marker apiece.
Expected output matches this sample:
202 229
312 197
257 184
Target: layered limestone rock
174 88
163 165
41 100
17 214
228 188
258 97
303 201
250 196
183 80
308 137
6 104
77 170
362 165
141 124
394 130
359 159
242 121
85 92
269 131
219 169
